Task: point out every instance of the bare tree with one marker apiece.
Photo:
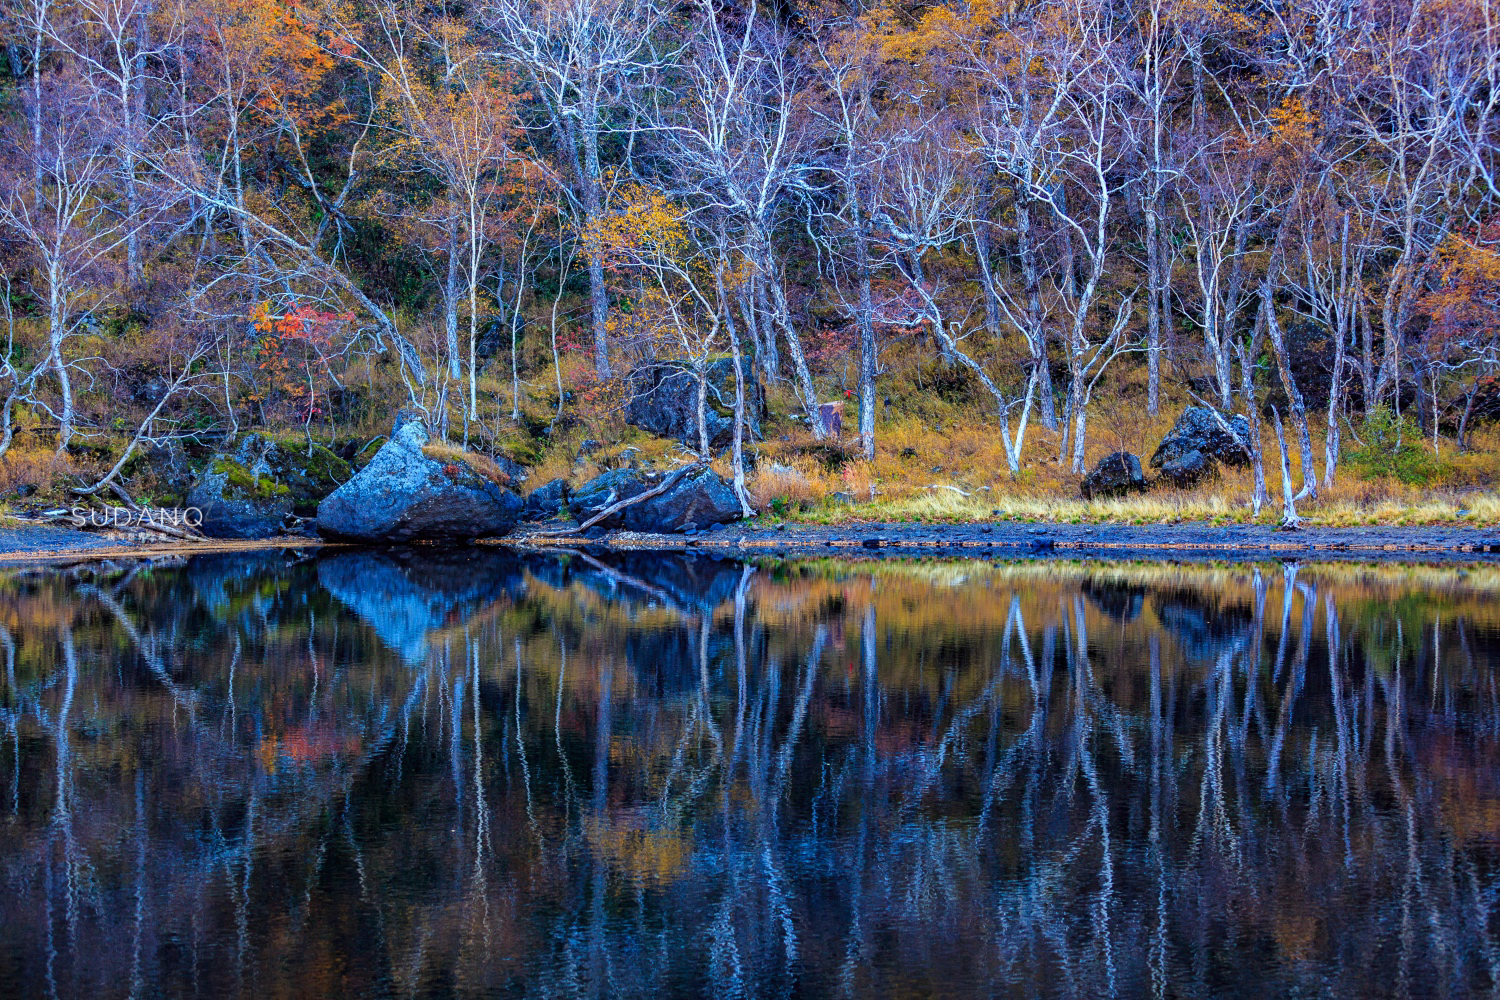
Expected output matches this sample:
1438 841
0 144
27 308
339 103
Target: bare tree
579 57
56 202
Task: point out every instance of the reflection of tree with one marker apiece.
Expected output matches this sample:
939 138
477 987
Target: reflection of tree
610 778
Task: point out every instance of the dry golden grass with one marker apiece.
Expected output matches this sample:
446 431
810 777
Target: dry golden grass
939 462
33 464
483 465
790 484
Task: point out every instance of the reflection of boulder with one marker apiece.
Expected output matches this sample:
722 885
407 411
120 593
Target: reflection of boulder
406 593
689 582
1203 628
686 582
1116 600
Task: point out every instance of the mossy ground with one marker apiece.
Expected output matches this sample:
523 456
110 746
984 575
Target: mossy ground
245 485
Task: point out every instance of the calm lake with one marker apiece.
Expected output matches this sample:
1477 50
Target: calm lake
428 773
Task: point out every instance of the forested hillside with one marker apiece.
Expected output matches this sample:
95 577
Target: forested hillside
1009 238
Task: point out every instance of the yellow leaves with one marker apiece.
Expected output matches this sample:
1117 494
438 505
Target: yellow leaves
1292 122
646 226
1290 137
260 317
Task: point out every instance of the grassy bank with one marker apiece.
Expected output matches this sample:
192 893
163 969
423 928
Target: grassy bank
939 459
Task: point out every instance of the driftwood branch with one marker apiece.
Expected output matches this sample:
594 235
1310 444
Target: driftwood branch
615 508
627 579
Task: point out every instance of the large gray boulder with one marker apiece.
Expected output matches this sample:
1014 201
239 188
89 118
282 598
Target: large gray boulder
1199 429
251 489
664 400
406 494
1116 475
606 489
697 501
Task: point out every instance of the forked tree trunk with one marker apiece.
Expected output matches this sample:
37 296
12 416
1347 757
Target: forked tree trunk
1252 414
1289 518
1293 394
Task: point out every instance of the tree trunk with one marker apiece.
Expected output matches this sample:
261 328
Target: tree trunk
740 490
1293 394
1153 307
772 364
868 358
1252 414
450 306
1331 441
1036 337
1289 517
793 345
57 331
987 278
598 291
703 449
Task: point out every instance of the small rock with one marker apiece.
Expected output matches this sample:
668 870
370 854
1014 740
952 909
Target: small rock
251 490
664 400
546 501
844 498
702 499
515 470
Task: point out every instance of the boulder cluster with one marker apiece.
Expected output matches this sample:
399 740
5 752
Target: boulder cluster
416 490
1200 441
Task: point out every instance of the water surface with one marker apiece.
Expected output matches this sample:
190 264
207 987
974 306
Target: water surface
466 774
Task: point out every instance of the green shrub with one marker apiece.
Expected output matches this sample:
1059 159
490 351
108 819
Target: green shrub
1394 449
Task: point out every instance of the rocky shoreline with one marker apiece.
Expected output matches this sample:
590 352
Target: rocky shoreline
21 544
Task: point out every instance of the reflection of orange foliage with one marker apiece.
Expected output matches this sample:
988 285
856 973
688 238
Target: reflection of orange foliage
638 850
305 744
